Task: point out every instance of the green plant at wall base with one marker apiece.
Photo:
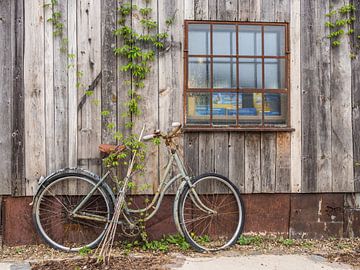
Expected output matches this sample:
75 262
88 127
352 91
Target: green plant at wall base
341 23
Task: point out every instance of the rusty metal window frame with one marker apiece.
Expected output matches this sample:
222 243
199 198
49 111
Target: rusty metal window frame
238 126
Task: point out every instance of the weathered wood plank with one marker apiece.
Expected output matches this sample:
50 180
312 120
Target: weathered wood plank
267 12
283 162
268 161
89 66
201 9
316 111
109 69
236 159
221 152
212 10
18 114
188 9
244 10
191 152
282 10
255 10
170 72
61 117
295 96
5 96
355 86
149 106
341 129
252 162
34 94
49 91
206 152
72 82
228 10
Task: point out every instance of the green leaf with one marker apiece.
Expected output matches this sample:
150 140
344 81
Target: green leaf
105 113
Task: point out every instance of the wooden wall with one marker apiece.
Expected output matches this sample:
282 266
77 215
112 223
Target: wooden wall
47 123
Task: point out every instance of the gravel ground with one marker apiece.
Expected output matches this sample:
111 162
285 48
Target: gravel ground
43 257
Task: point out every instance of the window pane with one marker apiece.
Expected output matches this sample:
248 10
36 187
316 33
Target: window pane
224 108
250 73
224 39
198 108
275 109
275 73
250 108
274 40
199 39
224 72
250 40
199 72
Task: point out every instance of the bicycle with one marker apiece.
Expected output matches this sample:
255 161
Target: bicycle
73 207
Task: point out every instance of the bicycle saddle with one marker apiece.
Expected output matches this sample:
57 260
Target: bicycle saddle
109 148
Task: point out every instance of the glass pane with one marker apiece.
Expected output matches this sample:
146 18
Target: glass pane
250 108
275 75
224 39
198 108
250 40
250 73
274 40
199 72
224 108
224 72
199 39
275 109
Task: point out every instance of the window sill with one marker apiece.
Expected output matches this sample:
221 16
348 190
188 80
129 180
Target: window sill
237 129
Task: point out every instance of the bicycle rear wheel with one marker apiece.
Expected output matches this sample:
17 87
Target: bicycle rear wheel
215 220
57 198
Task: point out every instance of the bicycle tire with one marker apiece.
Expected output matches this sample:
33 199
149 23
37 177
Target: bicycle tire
206 231
57 196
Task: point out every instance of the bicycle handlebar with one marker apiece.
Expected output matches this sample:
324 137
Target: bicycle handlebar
158 133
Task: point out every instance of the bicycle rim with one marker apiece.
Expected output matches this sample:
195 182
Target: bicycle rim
54 205
216 230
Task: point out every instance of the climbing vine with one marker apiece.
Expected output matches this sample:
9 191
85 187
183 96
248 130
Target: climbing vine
341 23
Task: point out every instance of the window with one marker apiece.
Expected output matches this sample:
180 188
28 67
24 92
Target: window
236 74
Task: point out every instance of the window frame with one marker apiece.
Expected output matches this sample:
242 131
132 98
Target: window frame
238 126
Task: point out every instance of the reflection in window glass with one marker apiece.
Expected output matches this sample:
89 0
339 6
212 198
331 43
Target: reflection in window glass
199 72
250 108
199 39
198 108
250 73
275 73
224 72
274 40
224 108
275 109
250 40
224 39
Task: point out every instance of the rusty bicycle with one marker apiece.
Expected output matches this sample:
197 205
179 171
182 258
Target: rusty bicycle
73 207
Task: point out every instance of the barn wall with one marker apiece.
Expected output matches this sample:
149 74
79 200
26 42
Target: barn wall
48 123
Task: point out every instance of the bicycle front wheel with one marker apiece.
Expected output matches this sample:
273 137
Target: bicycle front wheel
53 211
211 213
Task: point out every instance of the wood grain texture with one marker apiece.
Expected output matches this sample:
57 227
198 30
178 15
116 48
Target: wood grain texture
188 9
191 152
355 88
254 10
49 65
316 111
221 153
252 163
72 82
237 159
60 89
268 161
18 113
5 96
341 115
34 94
206 152
295 96
228 10
149 106
283 153
212 9
170 72
109 69
201 9
89 66
283 9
